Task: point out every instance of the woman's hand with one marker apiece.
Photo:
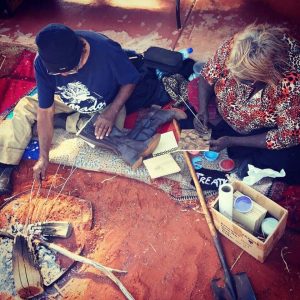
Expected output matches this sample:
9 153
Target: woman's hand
201 119
39 169
220 144
105 123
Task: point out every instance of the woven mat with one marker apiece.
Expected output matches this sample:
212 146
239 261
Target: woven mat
68 149
71 150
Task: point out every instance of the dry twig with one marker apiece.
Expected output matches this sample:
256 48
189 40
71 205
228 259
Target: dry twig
282 256
237 259
4 58
106 270
109 178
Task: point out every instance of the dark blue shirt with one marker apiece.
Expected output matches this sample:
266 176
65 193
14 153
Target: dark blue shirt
96 83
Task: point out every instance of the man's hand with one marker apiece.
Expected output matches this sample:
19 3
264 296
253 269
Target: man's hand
105 123
220 144
39 169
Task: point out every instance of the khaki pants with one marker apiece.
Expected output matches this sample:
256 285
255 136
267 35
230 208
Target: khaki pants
16 133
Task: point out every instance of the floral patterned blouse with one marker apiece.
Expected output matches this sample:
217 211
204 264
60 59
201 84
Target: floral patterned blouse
277 108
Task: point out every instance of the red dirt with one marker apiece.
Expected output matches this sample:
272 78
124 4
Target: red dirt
166 249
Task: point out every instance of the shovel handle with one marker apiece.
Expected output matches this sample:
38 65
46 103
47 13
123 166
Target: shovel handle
228 277
201 198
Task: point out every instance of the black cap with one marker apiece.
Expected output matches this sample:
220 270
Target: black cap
59 47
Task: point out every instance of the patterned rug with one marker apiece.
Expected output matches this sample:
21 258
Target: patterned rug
16 77
68 149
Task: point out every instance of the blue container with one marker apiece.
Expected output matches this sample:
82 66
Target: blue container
243 204
211 155
268 226
197 162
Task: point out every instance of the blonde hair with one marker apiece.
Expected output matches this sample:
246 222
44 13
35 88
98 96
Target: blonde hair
259 53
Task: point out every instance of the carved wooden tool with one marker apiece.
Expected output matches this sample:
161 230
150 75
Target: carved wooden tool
57 229
28 280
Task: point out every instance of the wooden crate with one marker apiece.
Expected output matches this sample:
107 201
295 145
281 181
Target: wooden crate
257 248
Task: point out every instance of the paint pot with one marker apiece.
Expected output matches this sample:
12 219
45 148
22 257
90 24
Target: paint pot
211 155
197 162
268 226
193 152
227 164
243 204
226 200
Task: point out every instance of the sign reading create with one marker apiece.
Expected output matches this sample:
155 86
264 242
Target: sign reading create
210 179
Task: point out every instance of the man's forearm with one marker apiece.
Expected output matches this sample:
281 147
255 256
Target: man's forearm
121 97
45 131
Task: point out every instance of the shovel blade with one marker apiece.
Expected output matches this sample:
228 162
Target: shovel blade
243 288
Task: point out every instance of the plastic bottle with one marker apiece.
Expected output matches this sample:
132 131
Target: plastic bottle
197 67
186 52
193 76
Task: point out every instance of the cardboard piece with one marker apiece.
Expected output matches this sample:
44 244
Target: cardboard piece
161 165
257 248
167 144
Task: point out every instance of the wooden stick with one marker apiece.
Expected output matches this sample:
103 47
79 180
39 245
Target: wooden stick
47 214
4 58
237 259
30 207
198 188
106 270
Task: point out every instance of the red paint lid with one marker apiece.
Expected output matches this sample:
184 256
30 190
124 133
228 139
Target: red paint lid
227 164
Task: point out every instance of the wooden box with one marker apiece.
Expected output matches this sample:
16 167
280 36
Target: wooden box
259 249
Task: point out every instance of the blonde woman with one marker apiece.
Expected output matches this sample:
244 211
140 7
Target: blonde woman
255 79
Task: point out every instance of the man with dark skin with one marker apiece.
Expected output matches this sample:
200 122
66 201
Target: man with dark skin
79 74
103 125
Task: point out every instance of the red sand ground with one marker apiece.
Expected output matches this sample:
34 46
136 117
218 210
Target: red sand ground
166 249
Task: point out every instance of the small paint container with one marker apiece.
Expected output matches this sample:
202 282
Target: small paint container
243 204
227 164
268 225
197 162
211 155
193 152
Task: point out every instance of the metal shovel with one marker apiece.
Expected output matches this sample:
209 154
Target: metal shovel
236 286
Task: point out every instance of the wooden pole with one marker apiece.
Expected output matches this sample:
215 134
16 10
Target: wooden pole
201 198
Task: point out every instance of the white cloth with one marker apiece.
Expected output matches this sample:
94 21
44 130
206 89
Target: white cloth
256 174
